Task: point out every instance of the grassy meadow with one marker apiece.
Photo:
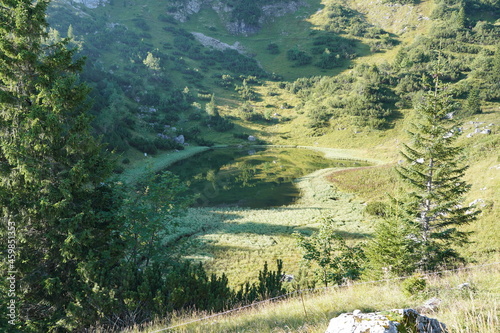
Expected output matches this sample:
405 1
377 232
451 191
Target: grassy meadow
237 241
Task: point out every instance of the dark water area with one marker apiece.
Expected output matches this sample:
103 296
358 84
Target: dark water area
254 178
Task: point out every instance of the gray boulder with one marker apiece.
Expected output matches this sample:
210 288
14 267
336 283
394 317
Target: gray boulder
180 139
393 321
358 322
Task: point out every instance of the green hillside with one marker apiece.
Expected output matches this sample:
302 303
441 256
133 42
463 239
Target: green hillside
171 79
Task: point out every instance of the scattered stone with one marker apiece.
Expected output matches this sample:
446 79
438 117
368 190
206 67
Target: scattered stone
180 139
486 131
421 324
287 278
163 136
464 286
217 44
477 202
430 306
252 138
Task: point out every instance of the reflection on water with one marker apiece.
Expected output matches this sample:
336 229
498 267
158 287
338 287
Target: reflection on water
256 178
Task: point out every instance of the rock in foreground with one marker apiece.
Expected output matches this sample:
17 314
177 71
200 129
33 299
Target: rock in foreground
393 321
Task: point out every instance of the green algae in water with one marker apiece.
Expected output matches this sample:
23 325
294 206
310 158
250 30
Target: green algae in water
255 178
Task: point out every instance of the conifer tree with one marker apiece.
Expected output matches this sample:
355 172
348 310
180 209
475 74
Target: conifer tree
434 169
52 174
393 249
212 109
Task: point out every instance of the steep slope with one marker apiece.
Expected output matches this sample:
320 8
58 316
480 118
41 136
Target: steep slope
157 64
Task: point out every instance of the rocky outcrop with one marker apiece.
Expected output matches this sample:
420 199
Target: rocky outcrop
186 8
269 12
393 321
91 3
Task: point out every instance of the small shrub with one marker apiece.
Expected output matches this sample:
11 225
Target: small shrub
376 208
300 58
414 285
202 142
204 97
220 124
167 19
141 24
194 116
273 48
118 169
163 144
242 136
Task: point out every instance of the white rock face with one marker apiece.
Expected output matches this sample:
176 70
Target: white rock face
358 322
217 44
410 320
91 3
188 8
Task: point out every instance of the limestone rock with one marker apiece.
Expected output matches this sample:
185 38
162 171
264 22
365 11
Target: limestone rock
430 306
358 322
180 139
184 9
92 3
394 321
217 44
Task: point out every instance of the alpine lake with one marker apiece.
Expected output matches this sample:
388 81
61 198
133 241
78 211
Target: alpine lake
251 177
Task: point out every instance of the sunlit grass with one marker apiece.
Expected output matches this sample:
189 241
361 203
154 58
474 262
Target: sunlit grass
376 185
238 241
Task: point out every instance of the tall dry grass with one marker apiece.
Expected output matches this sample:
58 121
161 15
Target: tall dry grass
464 310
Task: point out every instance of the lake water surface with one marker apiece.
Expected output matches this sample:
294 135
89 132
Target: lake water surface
255 178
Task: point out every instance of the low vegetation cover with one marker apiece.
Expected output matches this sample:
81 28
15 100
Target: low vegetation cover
94 240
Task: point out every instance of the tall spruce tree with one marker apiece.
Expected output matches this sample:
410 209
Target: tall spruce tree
58 216
434 169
